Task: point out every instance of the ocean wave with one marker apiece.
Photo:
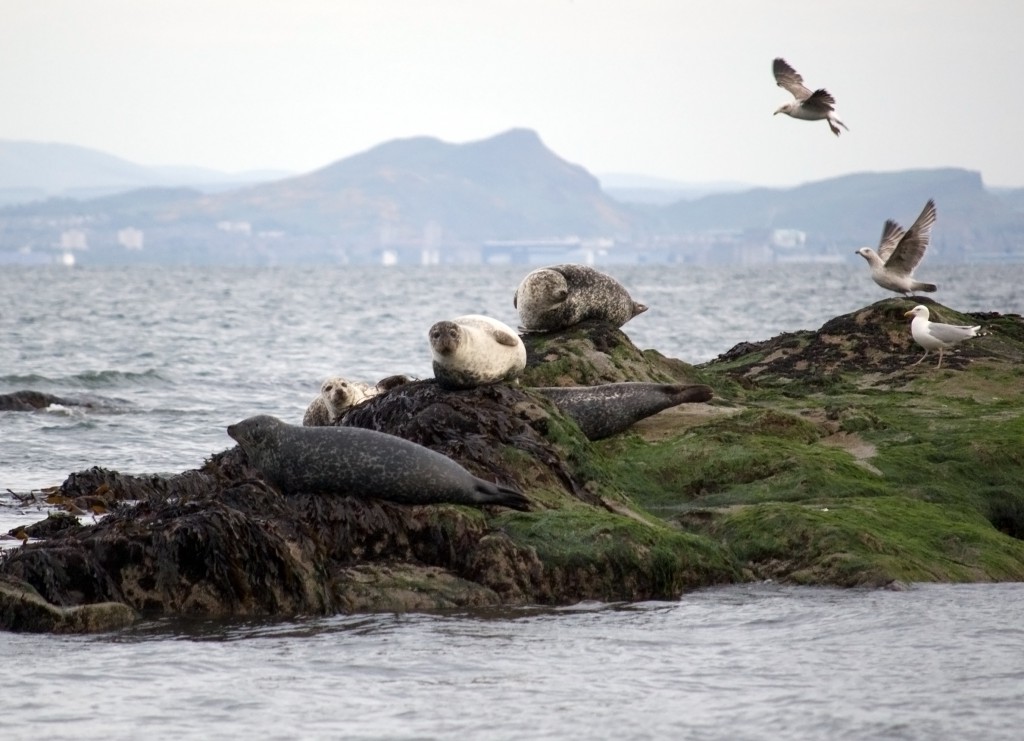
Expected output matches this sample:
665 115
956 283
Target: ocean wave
86 379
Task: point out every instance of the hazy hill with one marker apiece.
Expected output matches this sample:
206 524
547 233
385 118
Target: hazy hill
851 209
644 189
505 187
422 193
33 171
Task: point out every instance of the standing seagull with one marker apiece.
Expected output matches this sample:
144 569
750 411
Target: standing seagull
900 252
936 336
809 106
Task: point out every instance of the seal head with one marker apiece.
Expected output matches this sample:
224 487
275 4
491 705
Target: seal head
337 396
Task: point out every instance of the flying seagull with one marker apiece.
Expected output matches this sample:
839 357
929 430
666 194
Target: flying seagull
809 106
936 336
899 253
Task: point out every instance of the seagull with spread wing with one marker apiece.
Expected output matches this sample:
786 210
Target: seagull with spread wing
935 335
899 253
809 106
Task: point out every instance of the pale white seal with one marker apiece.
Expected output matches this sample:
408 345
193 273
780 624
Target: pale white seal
474 350
337 396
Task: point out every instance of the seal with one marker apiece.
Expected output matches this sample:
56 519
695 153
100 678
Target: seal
475 350
337 396
361 463
605 410
557 297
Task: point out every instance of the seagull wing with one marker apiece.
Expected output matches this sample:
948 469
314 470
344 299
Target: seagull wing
891 235
820 100
911 247
950 334
788 78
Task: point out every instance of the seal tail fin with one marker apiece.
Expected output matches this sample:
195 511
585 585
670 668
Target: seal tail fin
488 493
690 393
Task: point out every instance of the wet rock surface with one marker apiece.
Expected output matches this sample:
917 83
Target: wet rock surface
821 458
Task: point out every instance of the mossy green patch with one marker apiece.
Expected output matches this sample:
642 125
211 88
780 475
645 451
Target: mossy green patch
869 542
622 555
755 456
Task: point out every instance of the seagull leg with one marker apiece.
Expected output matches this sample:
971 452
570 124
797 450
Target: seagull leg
940 359
919 361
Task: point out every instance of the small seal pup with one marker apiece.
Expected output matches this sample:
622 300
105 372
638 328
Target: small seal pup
556 297
607 409
474 350
337 396
362 463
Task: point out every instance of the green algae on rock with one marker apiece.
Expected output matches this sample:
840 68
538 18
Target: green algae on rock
824 458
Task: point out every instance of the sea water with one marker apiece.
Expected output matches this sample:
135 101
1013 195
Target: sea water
168 357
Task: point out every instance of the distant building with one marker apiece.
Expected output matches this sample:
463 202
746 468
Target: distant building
545 251
73 239
788 239
237 227
130 238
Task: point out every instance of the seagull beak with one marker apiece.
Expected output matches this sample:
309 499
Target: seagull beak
909 313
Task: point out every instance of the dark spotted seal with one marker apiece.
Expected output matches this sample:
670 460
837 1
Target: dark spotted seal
556 297
337 396
363 463
475 350
607 409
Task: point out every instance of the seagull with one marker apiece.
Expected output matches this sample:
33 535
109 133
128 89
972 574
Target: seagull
936 336
809 106
899 252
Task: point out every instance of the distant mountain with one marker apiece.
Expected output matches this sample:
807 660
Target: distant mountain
424 199
632 188
851 209
33 171
506 187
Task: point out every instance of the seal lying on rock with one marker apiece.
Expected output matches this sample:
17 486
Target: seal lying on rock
362 463
337 396
605 410
556 297
474 350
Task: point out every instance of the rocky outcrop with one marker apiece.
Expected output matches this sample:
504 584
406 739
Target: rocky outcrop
823 458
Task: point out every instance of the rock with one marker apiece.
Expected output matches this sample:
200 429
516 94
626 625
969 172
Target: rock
22 609
824 459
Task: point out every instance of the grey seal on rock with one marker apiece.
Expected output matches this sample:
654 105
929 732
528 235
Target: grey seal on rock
607 409
337 396
475 350
556 297
362 463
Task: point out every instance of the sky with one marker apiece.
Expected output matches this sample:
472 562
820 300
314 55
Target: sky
665 88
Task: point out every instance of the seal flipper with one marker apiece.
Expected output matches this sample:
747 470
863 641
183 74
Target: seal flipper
488 493
504 338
